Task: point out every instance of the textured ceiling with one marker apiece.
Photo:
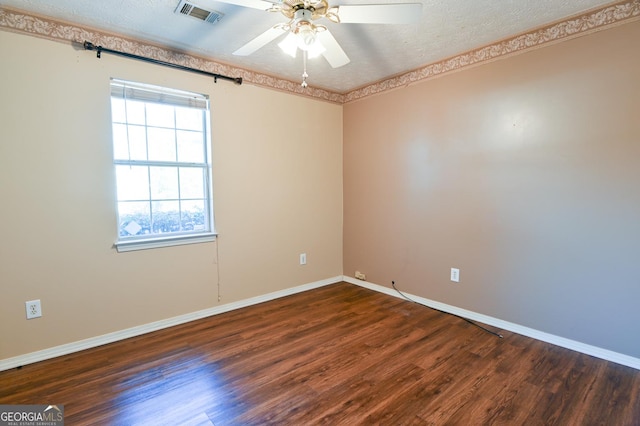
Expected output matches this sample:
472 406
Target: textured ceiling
446 28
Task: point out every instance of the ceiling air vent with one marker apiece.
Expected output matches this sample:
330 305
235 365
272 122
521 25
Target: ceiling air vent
189 9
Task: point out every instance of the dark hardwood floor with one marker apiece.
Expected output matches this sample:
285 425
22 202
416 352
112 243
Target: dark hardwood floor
337 355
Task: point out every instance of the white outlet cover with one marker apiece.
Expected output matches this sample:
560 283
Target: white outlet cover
455 275
303 258
34 309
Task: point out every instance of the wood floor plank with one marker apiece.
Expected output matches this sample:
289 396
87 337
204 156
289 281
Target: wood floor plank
338 355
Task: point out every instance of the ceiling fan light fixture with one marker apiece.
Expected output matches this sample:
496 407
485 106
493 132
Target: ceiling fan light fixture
306 33
302 35
315 50
289 45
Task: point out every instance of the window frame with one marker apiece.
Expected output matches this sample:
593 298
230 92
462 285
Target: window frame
147 93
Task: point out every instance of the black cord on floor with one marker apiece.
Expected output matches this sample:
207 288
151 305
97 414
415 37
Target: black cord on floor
393 284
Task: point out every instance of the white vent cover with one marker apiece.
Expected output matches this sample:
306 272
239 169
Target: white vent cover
189 9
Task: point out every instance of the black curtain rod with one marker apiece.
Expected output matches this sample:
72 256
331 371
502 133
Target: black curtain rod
99 49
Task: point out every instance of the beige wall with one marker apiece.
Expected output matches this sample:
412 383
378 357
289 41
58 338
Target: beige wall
524 173
277 193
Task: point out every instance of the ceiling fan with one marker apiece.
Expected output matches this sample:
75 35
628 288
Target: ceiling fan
315 39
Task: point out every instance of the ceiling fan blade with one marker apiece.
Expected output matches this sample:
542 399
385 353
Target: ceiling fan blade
260 41
393 13
333 53
254 4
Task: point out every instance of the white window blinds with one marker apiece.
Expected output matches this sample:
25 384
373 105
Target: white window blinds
161 95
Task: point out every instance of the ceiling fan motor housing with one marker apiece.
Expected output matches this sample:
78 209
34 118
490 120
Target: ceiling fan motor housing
318 9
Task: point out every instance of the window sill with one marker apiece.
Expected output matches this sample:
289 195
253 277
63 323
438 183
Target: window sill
124 246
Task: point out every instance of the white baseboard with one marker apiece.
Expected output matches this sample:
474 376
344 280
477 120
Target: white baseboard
93 342
595 351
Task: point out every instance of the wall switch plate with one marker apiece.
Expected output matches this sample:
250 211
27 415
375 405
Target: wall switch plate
34 309
455 275
303 258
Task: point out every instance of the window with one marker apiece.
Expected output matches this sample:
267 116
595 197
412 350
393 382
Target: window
163 167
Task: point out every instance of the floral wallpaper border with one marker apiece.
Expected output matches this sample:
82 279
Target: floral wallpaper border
583 24
594 20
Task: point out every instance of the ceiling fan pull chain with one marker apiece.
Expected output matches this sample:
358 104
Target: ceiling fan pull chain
304 74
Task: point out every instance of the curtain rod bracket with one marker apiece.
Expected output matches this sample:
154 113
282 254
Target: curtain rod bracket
99 49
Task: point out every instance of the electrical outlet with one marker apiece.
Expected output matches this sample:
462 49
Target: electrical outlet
34 309
303 258
360 276
455 275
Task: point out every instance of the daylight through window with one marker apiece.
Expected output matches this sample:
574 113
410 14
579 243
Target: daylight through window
162 163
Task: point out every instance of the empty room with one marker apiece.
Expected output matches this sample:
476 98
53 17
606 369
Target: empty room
245 212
